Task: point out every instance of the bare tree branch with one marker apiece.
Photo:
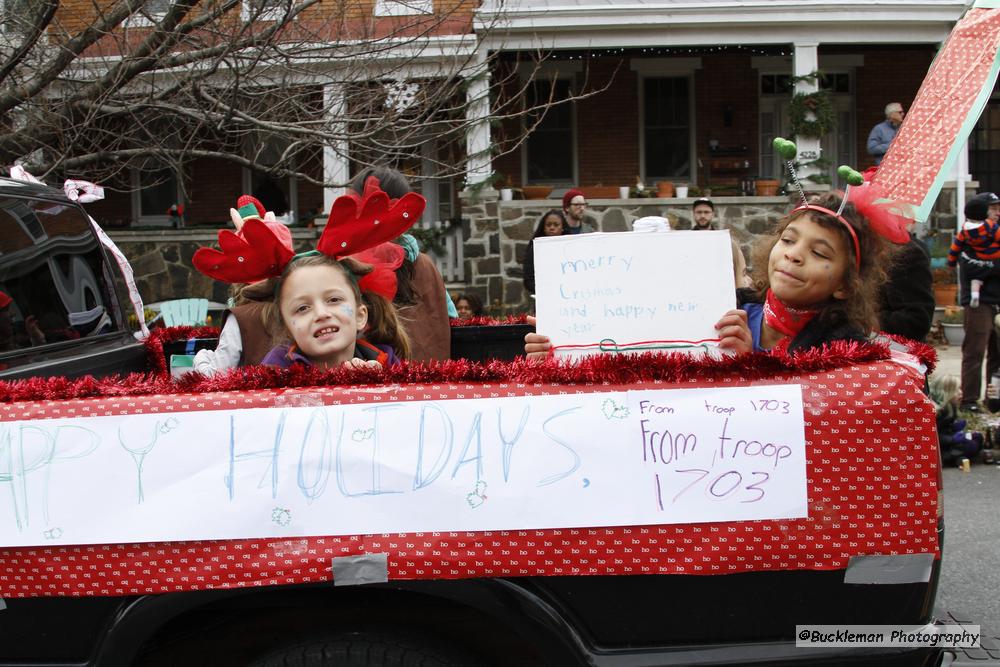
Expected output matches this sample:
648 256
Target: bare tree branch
263 85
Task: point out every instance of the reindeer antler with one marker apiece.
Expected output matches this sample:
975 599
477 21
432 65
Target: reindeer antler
255 253
357 223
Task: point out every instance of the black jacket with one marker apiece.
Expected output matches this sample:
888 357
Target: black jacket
529 267
907 300
988 271
828 326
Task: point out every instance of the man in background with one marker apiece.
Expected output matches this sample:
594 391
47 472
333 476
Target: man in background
882 134
575 208
702 214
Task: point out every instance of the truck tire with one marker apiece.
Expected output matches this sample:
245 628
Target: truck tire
368 649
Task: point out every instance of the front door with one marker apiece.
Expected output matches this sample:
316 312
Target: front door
837 147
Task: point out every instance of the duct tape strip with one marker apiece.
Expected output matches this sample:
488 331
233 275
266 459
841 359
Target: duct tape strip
904 569
361 569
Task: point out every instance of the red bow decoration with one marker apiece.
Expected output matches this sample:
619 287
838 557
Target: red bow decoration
252 254
356 223
384 259
886 218
360 222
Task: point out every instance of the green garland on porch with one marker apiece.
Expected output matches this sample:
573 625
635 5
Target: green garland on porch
819 104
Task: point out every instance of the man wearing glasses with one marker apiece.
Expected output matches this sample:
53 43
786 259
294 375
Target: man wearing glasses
574 208
882 134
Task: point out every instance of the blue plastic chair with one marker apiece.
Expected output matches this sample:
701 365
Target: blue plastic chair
184 312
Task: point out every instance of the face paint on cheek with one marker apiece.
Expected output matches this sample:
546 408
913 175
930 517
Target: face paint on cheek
347 309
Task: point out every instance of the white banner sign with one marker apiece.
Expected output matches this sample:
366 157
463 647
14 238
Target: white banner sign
605 292
554 461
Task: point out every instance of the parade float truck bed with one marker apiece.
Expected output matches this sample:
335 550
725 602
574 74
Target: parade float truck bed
465 515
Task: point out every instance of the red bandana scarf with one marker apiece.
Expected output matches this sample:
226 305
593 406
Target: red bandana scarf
784 319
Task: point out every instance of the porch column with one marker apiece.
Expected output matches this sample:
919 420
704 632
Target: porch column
805 60
336 165
479 166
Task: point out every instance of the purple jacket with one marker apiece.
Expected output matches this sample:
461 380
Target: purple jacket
288 355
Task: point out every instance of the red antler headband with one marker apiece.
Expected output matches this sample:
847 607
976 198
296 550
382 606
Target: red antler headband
884 217
356 223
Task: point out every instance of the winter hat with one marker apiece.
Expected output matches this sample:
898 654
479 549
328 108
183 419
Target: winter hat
5 299
976 209
568 197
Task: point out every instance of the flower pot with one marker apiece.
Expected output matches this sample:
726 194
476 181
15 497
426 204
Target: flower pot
665 189
506 194
954 333
766 187
946 295
682 191
536 191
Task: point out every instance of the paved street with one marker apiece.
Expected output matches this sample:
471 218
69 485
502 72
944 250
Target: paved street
970 578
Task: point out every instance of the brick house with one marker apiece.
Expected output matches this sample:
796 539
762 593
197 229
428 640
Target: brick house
687 92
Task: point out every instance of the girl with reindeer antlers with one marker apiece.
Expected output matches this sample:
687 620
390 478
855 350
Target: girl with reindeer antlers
333 305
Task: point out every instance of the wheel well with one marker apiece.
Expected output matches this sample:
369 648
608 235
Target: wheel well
236 629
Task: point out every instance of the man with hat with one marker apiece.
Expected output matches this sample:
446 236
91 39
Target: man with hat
702 214
574 207
980 335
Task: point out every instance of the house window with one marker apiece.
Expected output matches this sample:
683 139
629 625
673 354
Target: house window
155 189
264 10
151 12
550 155
278 195
666 125
403 7
16 16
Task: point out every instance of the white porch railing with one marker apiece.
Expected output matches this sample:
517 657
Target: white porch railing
452 263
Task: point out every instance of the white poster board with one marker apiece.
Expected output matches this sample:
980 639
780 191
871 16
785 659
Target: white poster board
552 461
628 288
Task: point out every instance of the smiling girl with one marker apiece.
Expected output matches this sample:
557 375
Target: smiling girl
321 312
817 281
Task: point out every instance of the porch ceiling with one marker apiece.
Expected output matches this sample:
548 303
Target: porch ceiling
576 24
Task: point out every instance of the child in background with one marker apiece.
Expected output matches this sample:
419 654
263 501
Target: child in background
980 237
469 306
320 311
245 337
817 280
421 300
956 443
552 223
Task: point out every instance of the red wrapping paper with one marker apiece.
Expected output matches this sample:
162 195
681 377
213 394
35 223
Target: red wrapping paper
872 460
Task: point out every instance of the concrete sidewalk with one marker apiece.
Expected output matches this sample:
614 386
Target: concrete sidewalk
949 360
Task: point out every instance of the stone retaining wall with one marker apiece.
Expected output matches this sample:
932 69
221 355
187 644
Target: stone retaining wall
497 232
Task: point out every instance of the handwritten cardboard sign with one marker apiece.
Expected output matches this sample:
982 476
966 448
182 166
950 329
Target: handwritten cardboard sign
551 461
631 291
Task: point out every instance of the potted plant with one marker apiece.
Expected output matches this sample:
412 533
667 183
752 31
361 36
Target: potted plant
953 323
945 287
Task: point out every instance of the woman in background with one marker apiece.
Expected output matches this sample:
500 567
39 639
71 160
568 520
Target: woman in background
553 223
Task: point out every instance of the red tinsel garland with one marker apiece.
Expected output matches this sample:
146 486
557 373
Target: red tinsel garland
486 321
658 366
158 337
